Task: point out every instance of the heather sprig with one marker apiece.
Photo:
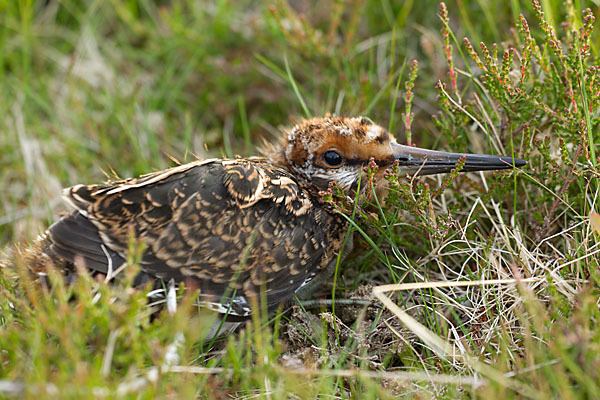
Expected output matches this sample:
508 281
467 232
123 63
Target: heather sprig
90 86
408 98
537 102
448 48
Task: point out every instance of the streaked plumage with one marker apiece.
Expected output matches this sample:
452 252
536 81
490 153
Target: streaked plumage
217 225
230 228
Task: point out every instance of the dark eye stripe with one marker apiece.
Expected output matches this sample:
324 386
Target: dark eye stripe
360 161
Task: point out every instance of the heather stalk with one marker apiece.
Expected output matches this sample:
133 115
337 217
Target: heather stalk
408 98
448 49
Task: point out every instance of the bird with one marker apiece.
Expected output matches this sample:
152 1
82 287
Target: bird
231 228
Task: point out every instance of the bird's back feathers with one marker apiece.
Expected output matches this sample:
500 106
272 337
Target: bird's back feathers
226 227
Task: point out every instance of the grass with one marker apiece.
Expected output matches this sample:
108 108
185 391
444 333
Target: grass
495 276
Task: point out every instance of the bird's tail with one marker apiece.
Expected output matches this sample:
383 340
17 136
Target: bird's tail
35 257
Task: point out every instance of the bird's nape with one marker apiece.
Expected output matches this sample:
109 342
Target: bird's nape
429 162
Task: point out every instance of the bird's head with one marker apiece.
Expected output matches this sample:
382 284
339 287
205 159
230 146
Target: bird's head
335 149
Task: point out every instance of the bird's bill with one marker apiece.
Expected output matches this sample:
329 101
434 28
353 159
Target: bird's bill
429 162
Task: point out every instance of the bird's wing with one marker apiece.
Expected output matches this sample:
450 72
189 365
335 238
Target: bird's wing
227 227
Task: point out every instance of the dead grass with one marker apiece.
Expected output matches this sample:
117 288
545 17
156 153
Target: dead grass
495 276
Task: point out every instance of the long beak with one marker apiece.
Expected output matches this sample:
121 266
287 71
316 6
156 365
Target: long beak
428 162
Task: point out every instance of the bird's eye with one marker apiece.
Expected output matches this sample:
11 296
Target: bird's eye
332 158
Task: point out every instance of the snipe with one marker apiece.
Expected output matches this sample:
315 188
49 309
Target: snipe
230 228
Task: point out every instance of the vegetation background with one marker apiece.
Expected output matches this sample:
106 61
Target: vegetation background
502 268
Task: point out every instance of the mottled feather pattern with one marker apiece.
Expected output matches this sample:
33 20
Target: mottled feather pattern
230 228
214 225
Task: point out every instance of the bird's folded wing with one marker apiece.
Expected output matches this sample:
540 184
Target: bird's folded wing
227 227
